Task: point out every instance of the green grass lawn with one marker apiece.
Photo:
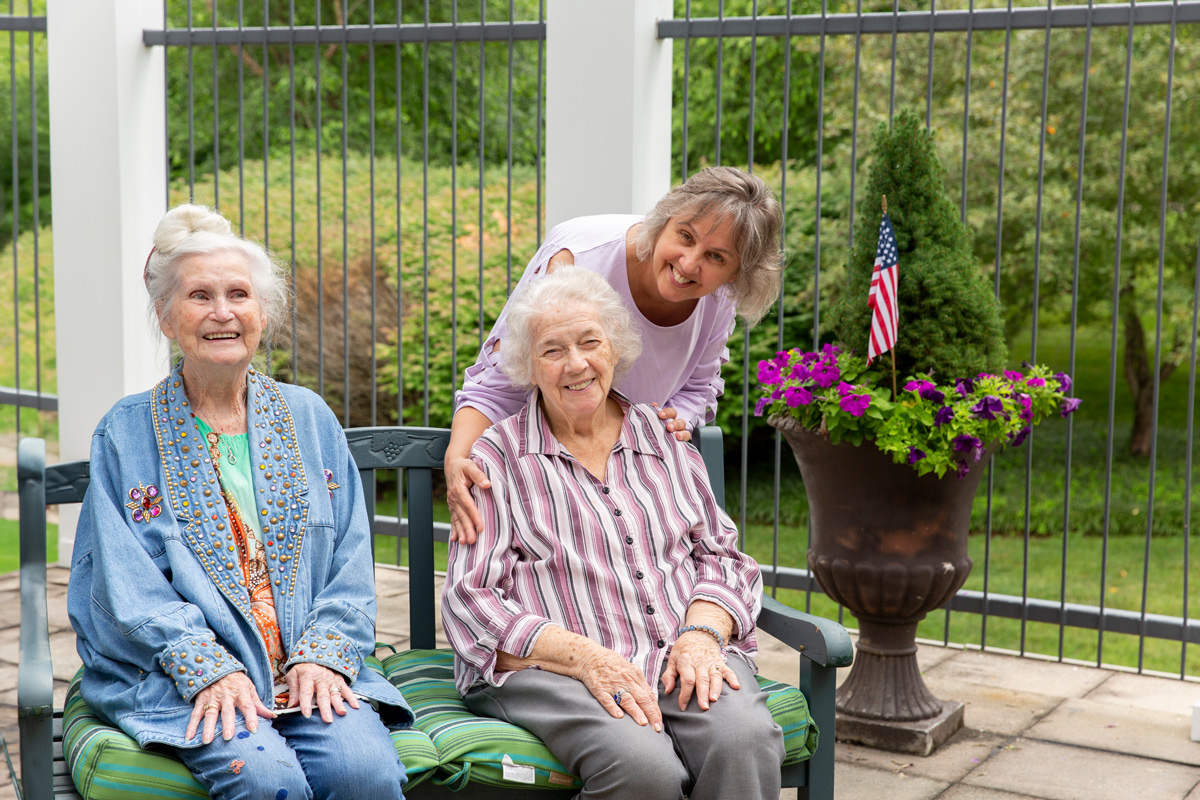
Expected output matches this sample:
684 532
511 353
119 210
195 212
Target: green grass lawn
10 545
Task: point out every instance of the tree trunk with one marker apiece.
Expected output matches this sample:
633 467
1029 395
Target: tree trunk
1140 377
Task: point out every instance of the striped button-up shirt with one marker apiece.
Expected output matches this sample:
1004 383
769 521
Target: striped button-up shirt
618 560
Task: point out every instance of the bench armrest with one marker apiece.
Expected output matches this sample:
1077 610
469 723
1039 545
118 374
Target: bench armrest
822 641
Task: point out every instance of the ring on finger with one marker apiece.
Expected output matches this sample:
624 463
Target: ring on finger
618 696
210 707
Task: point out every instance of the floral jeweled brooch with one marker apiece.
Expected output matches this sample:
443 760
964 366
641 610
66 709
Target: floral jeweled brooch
329 482
146 503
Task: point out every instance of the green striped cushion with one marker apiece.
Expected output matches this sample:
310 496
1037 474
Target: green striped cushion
473 747
107 764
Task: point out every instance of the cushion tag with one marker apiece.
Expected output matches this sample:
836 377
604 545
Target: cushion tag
516 773
560 779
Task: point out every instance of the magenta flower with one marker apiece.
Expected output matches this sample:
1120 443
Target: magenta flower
855 404
797 396
1064 382
1036 382
1026 406
844 389
989 407
917 386
1069 405
778 393
971 445
1020 436
768 372
942 416
964 386
761 405
1013 375
825 374
799 372
915 455
830 351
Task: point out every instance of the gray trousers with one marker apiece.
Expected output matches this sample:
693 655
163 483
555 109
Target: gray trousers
734 749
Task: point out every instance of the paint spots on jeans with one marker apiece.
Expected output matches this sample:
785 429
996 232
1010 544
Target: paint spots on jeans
243 734
281 794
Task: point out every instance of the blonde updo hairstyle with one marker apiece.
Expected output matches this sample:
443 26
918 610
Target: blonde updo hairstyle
719 193
194 230
567 287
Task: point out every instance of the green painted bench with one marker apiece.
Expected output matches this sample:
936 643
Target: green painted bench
449 753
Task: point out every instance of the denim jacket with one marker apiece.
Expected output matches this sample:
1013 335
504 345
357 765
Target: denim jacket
156 595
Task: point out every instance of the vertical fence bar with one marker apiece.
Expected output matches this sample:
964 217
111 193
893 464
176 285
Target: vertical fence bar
1083 115
345 225
399 247
1116 317
537 136
779 344
481 118
36 227
929 95
292 175
967 107
687 71
425 209
191 107
720 72
216 105
745 328
820 156
16 210
371 172
1158 331
241 134
892 80
854 114
508 194
266 138
320 102
167 116
1033 341
454 203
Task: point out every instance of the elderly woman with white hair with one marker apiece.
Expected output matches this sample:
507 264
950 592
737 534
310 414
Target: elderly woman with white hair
706 253
605 606
222 573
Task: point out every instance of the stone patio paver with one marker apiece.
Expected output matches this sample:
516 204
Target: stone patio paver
994 709
854 782
1060 772
1118 729
1160 695
993 669
950 763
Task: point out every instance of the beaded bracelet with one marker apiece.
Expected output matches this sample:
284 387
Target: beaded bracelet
706 629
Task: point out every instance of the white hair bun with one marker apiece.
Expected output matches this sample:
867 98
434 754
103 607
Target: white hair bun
182 221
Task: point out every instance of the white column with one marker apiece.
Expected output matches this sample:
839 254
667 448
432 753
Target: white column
107 152
608 107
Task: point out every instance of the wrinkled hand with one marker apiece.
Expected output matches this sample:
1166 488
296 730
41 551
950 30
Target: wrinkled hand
675 426
224 699
465 520
697 664
308 681
605 673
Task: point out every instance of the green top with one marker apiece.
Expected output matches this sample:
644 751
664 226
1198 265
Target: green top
236 476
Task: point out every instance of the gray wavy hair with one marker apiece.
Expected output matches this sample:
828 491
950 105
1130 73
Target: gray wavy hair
721 193
194 230
566 287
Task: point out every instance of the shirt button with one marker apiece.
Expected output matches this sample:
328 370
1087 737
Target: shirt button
649 609
638 575
617 512
605 490
628 540
662 643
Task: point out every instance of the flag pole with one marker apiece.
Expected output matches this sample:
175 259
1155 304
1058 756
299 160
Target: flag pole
895 393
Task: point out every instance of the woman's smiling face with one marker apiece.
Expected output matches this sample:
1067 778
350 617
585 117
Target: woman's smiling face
214 316
573 363
694 258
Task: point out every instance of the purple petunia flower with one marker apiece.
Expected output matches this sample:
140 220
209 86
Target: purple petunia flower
971 445
933 395
1069 405
1064 382
963 469
964 386
1026 406
799 372
943 415
989 407
825 374
782 359
1013 375
1036 381
797 396
915 455
761 405
844 389
917 386
830 351
1020 436
855 404
768 372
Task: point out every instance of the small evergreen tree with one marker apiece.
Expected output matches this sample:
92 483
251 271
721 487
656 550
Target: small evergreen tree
950 323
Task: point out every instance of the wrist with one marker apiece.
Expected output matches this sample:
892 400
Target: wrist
707 630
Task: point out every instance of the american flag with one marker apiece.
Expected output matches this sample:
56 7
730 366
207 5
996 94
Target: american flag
882 299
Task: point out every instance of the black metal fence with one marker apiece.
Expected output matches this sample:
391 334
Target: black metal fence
393 157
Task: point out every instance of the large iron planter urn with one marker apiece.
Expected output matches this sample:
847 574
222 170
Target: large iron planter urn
890 545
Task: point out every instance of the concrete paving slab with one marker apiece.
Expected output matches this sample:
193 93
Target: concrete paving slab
59 575
1194 794
776 660
949 763
854 782
8 677
10 598
1020 674
10 581
1132 731
1059 772
1162 695
997 710
930 655
961 792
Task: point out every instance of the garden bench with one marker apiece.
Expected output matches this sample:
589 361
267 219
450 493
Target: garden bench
448 752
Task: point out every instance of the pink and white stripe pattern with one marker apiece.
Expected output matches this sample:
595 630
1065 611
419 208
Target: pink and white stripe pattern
885 316
617 560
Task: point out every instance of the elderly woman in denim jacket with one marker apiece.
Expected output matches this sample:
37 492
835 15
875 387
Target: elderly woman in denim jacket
222 574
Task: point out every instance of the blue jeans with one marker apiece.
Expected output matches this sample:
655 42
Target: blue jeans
293 758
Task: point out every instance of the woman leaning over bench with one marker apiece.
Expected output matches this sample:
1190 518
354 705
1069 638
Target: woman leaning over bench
222 573
606 588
